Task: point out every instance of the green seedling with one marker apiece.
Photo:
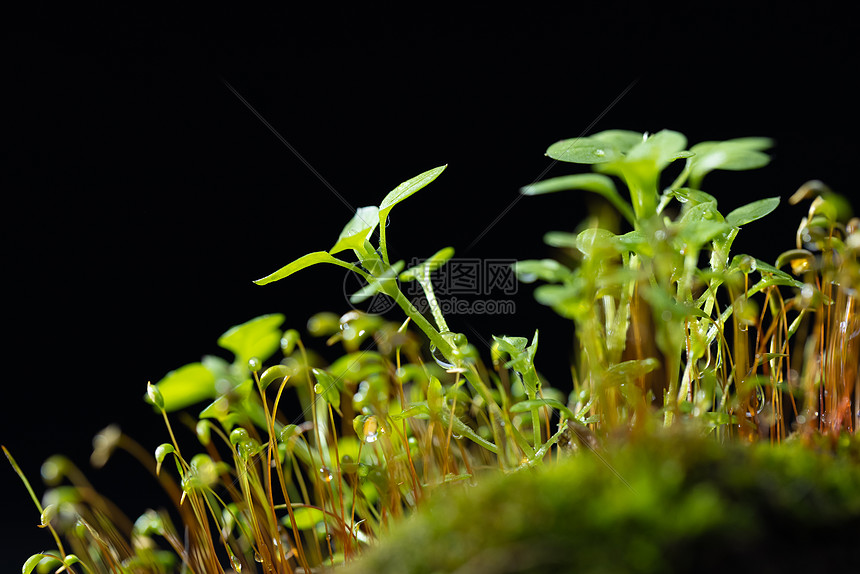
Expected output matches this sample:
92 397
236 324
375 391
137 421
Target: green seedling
302 463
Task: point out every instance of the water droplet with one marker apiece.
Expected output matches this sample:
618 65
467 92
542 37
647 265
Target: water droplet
743 327
234 562
257 557
254 364
599 153
440 362
747 264
806 292
326 474
660 235
370 430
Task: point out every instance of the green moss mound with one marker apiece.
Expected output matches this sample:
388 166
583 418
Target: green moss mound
674 504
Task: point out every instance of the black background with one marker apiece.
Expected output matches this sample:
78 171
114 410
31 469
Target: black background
141 197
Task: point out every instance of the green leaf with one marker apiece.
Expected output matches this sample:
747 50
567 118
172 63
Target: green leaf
622 140
328 386
303 262
414 409
697 233
752 211
406 189
375 283
358 230
691 196
566 300
221 407
583 150
260 337
429 265
561 239
637 242
306 518
595 182
513 346
550 270
597 242
435 396
186 386
362 223
733 155
778 276
662 148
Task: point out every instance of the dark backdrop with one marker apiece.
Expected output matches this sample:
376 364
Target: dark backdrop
142 196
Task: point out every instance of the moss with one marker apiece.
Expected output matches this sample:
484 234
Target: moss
681 504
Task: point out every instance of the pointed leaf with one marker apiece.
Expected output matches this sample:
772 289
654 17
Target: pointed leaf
429 265
356 242
358 230
306 261
513 346
583 150
363 222
734 155
752 211
596 182
406 189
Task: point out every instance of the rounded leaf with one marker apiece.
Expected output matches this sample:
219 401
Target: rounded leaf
184 387
595 241
260 337
306 518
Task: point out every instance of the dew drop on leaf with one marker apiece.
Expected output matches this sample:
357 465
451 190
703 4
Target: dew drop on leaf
234 562
370 429
326 474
